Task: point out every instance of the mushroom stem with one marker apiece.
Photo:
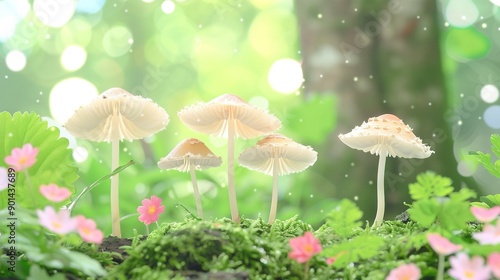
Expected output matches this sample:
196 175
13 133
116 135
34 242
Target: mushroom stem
274 198
115 207
230 171
379 217
195 190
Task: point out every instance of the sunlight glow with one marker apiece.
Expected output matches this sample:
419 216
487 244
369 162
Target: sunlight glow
15 60
80 154
461 13
54 13
285 76
168 7
489 93
73 58
68 95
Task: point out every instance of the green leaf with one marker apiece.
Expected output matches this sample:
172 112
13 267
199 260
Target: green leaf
467 43
344 218
54 163
485 160
491 200
424 211
495 144
359 248
430 185
455 214
36 273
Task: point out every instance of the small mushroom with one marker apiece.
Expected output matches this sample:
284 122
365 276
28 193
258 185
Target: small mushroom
385 135
277 155
189 155
113 116
231 117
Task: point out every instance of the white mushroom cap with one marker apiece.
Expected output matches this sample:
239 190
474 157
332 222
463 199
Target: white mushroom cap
292 157
117 115
386 132
213 117
190 151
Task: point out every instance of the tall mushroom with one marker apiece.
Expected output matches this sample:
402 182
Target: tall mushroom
277 155
385 135
114 116
231 117
189 155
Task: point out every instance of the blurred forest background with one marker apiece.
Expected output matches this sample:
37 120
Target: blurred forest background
320 66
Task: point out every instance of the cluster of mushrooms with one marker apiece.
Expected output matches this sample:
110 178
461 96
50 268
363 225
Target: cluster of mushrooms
117 115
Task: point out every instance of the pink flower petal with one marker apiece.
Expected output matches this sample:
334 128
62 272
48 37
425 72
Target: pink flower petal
304 247
485 215
58 222
150 210
405 272
441 245
490 234
54 193
464 268
88 230
494 264
22 158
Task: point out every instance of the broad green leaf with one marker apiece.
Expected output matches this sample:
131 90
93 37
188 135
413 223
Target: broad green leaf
455 214
491 200
430 185
36 273
424 211
344 218
54 162
495 144
359 248
462 195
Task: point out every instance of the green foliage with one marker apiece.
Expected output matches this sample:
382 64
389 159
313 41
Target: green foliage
436 203
491 200
344 218
54 163
45 249
485 159
37 273
430 185
467 43
359 248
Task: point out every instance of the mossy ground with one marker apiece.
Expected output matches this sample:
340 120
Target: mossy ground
253 249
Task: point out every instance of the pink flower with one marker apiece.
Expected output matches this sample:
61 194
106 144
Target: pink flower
22 158
4 179
330 260
485 215
304 247
150 210
88 230
60 223
441 245
489 235
494 264
463 268
405 272
54 193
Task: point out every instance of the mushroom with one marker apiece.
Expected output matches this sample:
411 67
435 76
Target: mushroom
277 155
385 135
113 116
189 155
231 117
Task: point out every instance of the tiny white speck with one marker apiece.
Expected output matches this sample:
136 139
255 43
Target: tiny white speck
41 93
10 134
346 175
200 26
254 190
412 107
464 17
425 28
433 134
370 182
385 101
371 76
430 103
459 122
126 10
235 50
100 161
241 19
289 193
347 61
6 76
125 149
114 5
418 17
130 41
299 52
400 174
355 79
461 95
343 21
97 149
311 196
479 118
484 25
352 163
356 9
356 198
321 76
320 16
446 24
38 101
47 36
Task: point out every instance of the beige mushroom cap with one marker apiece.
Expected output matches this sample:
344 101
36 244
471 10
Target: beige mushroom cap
386 132
117 115
213 118
292 157
190 151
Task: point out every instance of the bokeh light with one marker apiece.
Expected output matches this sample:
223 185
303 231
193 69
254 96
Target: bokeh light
89 6
489 93
117 41
80 154
491 116
168 6
68 95
15 60
259 102
73 58
11 12
54 13
285 76
461 13
466 168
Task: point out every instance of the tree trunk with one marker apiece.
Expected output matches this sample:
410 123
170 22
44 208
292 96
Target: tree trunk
377 57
